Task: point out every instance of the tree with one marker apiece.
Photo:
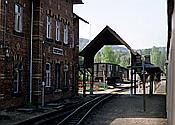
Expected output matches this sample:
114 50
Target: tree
98 57
117 57
108 55
158 57
162 59
124 60
155 53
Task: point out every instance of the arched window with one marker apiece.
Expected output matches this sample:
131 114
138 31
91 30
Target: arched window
49 26
66 34
18 17
58 30
17 77
48 75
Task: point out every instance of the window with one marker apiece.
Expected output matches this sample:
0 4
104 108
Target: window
18 18
65 75
57 75
49 22
73 43
58 28
17 77
65 34
48 75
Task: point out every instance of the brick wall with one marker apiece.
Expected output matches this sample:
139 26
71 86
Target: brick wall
76 55
16 44
0 14
43 47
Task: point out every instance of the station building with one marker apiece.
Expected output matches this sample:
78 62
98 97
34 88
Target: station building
38 47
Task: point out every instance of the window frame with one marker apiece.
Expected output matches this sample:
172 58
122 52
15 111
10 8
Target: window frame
18 17
49 27
66 32
58 30
17 77
48 75
16 73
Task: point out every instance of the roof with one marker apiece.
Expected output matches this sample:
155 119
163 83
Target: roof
149 67
106 37
76 16
77 2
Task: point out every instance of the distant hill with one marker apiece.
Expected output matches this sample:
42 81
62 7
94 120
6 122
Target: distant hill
119 48
160 48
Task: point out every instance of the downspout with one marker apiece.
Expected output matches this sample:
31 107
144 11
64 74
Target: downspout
30 60
5 22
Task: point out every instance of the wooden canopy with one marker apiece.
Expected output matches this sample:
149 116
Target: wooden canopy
77 2
106 37
149 67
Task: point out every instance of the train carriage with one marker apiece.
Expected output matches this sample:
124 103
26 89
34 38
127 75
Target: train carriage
110 73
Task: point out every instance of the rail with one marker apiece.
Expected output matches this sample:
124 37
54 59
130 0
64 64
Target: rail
76 117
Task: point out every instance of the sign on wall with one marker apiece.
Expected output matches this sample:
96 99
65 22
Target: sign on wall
57 51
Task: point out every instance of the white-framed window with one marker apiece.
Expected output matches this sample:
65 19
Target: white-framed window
73 42
49 26
58 30
17 77
16 81
48 75
66 34
18 17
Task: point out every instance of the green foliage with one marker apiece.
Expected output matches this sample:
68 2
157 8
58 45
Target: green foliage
124 59
108 55
155 53
158 56
98 57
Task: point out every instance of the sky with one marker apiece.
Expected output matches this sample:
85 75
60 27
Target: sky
141 23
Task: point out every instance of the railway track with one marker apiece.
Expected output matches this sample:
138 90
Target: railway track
69 115
47 118
76 117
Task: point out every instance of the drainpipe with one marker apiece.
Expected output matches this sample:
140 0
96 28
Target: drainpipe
5 22
30 60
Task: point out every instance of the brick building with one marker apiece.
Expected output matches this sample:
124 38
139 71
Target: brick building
38 44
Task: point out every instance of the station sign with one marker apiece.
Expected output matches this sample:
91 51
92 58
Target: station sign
57 51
